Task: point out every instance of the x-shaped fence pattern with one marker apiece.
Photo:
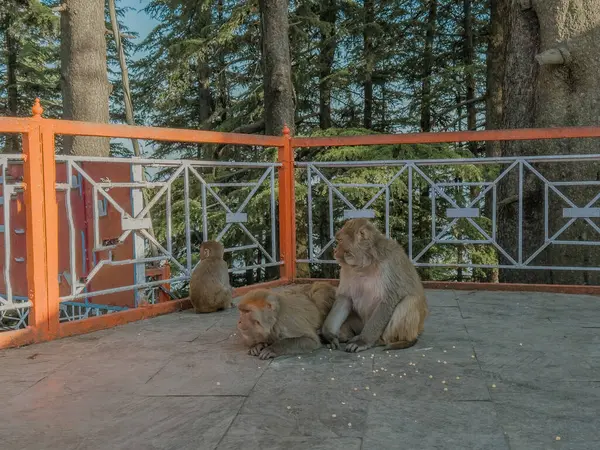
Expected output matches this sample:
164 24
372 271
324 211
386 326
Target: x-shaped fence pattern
139 224
469 211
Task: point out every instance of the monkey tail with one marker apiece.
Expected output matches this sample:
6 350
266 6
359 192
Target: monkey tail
400 345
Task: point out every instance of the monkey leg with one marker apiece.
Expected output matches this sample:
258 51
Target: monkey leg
290 346
223 299
371 333
350 328
405 325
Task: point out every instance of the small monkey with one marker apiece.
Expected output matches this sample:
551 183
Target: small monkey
210 290
284 322
380 284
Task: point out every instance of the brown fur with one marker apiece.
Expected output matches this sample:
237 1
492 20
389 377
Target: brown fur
210 290
275 323
380 284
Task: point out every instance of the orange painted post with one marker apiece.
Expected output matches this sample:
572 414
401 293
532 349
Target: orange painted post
51 222
287 208
37 275
166 274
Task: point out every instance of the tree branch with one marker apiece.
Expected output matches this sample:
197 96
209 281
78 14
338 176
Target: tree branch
460 105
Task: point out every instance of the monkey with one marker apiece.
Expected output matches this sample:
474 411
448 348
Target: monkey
275 323
379 283
210 290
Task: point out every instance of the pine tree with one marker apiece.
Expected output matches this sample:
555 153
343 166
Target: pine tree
28 56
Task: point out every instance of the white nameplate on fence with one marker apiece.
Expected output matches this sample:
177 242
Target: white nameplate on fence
454 213
236 218
359 214
581 213
135 224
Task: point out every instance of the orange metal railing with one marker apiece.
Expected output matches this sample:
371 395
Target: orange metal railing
39 183
42 216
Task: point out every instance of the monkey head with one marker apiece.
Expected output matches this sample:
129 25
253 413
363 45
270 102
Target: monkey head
212 249
356 243
258 314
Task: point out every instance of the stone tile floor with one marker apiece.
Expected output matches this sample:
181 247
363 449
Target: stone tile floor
520 369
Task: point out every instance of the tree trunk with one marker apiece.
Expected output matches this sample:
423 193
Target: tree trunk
124 73
205 100
428 60
494 84
223 88
327 45
545 91
84 77
12 49
469 57
369 55
495 72
277 67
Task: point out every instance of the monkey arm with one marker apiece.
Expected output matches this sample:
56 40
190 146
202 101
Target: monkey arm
290 346
337 316
375 326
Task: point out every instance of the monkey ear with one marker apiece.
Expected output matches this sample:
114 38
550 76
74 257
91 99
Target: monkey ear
364 233
272 302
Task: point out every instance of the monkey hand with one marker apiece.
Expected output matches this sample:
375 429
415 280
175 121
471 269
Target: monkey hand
267 353
331 339
256 350
357 344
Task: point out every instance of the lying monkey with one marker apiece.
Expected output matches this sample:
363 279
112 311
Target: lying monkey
380 284
284 322
210 290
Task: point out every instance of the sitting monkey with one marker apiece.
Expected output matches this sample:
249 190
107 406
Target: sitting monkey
210 290
284 322
380 284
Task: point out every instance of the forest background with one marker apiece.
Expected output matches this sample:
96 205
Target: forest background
327 68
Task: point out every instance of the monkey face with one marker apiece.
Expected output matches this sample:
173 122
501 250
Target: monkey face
250 327
346 253
354 244
258 315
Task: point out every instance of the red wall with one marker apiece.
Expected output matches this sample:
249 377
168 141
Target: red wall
109 225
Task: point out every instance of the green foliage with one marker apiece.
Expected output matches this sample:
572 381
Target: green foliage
200 68
32 30
398 217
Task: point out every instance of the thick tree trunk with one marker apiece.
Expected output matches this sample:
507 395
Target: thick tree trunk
545 91
369 55
84 75
327 45
469 59
428 60
277 67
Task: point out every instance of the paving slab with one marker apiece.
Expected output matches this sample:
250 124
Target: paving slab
430 424
96 421
493 370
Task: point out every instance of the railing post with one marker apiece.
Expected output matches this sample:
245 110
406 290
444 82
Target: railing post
287 208
42 226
